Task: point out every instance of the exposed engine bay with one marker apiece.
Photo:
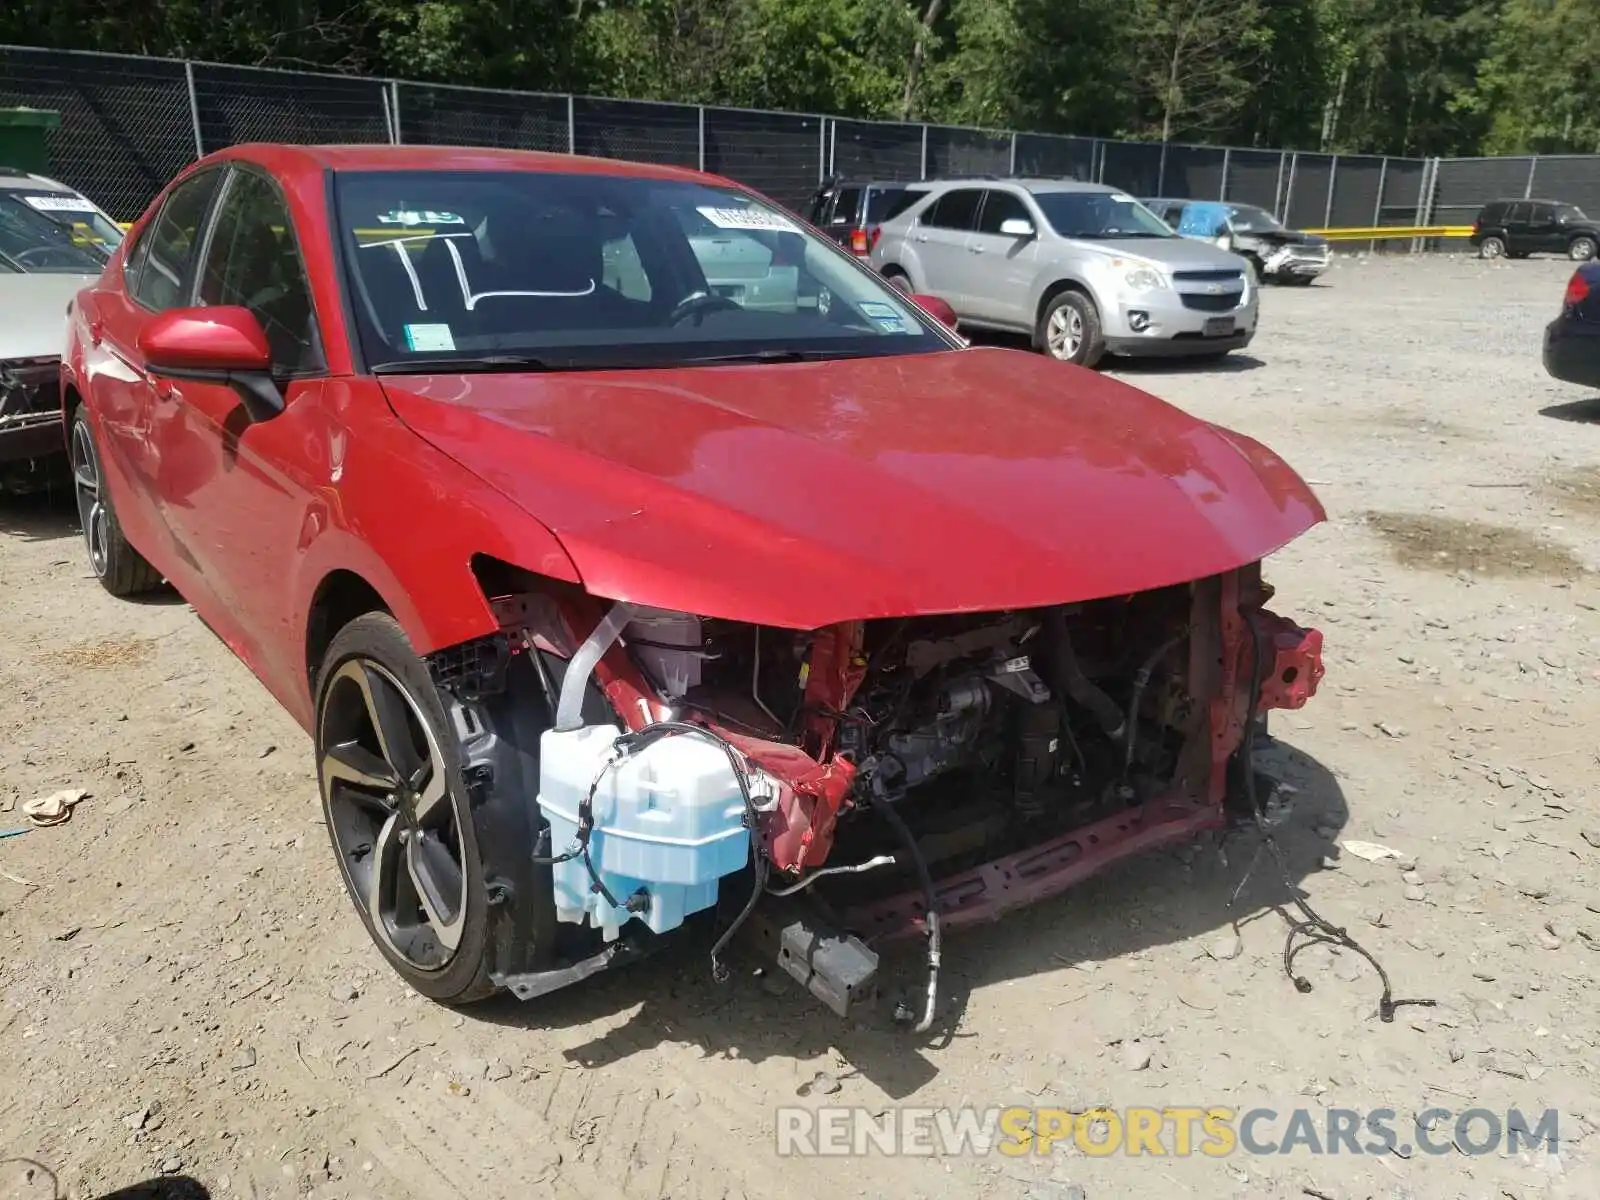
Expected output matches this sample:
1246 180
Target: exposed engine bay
30 421
889 776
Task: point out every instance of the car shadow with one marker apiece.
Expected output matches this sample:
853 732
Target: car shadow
1133 367
1178 895
1582 412
43 516
27 1178
52 516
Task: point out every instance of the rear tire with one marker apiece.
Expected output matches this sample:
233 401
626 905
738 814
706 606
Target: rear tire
1069 330
1492 247
121 569
1581 248
898 280
396 808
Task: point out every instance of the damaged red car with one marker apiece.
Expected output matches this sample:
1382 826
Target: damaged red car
639 561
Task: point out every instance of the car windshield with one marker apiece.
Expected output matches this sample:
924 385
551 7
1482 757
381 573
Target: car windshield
38 243
1100 215
1247 218
530 269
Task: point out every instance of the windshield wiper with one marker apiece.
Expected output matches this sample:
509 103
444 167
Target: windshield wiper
765 356
486 362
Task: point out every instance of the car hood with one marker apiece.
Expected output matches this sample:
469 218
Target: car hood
33 313
1180 252
1281 237
809 493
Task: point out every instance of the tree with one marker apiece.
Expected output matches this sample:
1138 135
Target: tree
1193 63
1536 86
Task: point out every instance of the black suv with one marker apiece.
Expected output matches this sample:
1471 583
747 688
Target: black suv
850 212
1518 228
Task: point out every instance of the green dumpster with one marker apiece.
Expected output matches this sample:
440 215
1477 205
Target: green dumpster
22 138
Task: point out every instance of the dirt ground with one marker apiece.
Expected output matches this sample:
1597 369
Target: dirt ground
185 989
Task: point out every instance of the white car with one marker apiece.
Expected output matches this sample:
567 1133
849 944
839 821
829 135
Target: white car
53 243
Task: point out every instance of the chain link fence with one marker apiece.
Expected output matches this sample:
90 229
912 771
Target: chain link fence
129 124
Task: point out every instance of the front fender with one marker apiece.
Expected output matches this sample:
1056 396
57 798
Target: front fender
408 520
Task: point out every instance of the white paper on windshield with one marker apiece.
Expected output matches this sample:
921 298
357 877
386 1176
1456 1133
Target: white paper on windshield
429 337
748 218
411 217
885 316
59 204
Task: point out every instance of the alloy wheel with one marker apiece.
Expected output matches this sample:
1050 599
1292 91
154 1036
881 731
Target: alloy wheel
1491 248
1582 249
91 508
1064 333
394 819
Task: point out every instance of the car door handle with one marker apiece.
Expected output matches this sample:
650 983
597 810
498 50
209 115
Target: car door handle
921 237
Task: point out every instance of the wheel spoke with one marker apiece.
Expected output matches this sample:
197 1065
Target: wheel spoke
386 709
437 880
386 849
349 762
86 480
433 795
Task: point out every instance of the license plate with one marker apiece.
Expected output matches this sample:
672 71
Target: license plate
1219 326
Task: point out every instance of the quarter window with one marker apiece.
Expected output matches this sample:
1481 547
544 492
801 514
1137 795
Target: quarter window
166 253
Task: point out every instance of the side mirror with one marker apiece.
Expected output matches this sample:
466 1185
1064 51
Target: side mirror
936 308
217 344
1018 227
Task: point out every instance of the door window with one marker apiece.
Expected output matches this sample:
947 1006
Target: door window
1517 214
1000 207
254 261
844 207
954 210
166 253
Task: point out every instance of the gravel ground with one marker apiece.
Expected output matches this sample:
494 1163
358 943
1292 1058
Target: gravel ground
185 990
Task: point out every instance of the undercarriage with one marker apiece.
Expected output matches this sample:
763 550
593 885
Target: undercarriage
877 771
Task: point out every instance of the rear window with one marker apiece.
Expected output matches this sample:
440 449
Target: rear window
844 206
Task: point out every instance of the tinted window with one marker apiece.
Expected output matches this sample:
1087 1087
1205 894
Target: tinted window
844 206
1517 214
999 207
168 257
954 210
581 271
254 261
885 204
1569 212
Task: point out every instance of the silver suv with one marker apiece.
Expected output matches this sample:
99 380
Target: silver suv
1087 270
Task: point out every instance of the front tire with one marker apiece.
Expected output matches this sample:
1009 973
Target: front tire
121 569
1581 248
396 808
1069 330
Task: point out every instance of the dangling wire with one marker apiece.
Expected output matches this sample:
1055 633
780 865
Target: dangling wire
1312 926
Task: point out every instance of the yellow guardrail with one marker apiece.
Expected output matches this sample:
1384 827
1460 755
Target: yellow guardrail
1378 232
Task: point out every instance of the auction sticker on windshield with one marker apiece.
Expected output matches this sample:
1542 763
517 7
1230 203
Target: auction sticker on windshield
747 218
411 217
59 204
885 316
429 337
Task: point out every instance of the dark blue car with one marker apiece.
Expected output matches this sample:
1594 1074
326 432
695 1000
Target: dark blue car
1572 340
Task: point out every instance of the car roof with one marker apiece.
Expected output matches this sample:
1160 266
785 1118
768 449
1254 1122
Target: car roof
12 178
285 156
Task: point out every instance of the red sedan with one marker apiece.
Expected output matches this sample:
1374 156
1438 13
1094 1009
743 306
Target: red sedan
636 558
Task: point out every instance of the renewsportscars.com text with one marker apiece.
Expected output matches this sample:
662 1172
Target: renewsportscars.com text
1158 1132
